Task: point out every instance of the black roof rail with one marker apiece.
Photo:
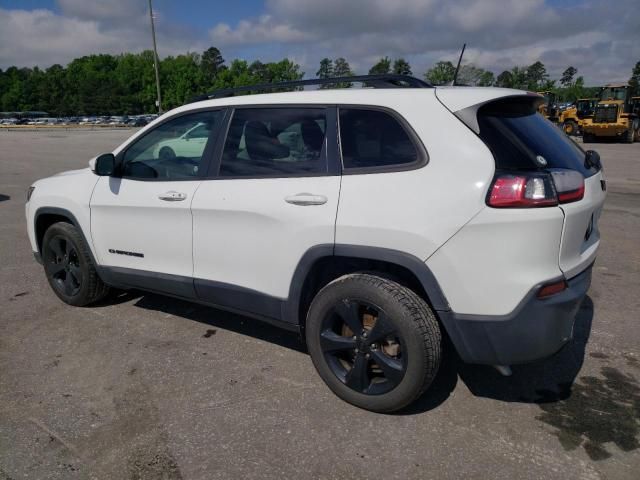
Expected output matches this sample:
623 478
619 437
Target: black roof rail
375 81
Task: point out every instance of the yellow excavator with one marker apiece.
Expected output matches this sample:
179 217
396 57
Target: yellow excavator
573 118
617 115
549 108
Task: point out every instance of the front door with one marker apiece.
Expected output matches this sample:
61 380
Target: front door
141 222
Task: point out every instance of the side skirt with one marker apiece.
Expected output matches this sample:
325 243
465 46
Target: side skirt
231 298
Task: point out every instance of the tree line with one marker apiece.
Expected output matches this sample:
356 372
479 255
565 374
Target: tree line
125 84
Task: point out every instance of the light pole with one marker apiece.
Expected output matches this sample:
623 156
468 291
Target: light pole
155 58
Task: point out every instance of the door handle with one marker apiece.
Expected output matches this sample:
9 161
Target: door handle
305 199
172 196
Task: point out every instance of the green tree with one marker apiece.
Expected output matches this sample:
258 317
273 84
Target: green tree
504 80
536 75
487 79
325 70
341 68
471 75
634 81
567 76
211 63
440 73
382 67
401 67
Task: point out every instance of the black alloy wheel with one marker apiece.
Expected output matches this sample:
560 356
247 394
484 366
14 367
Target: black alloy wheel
63 264
362 347
69 266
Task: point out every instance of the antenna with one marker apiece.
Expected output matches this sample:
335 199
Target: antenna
455 75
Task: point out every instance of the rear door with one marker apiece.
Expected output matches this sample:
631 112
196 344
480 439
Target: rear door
274 196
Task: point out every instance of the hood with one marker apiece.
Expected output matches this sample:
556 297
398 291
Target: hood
72 172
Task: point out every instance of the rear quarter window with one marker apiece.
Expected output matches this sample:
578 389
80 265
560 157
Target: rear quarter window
516 135
374 139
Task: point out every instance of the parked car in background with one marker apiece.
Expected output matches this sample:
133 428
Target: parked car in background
137 122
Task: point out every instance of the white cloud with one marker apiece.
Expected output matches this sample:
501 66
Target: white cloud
42 37
601 41
593 36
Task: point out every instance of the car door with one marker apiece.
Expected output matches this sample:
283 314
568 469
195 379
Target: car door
141 221
274 197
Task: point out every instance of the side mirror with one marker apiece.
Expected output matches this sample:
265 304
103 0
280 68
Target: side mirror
105 165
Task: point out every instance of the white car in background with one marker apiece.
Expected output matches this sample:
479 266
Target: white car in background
188 145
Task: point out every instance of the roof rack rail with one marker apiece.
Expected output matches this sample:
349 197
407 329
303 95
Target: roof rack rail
375 81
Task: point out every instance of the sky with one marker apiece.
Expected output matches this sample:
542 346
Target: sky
601 38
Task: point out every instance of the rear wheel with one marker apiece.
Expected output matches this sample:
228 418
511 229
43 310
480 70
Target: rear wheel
375 343
69 267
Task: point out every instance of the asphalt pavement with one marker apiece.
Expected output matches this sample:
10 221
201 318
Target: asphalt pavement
147 387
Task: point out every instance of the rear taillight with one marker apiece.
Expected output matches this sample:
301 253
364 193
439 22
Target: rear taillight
522 191
569 185
535 189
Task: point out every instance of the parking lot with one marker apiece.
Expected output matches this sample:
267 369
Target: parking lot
150 387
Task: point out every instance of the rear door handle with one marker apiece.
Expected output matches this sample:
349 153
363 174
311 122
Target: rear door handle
172 196
305 199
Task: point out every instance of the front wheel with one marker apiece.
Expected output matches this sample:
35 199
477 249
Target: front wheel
69 267
570 127
375 343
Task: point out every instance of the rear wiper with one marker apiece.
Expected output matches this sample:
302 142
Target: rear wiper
592 159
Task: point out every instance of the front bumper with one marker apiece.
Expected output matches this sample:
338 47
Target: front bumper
536 329
605 129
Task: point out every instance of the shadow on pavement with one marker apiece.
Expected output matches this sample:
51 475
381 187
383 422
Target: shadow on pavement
4 197
586 412
221 319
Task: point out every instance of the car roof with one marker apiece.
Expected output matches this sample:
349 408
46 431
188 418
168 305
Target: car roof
464 96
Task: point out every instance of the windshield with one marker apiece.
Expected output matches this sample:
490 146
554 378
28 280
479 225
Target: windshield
522 139
613 93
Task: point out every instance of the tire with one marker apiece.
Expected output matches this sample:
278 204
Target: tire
394 357
166 153
69 267
570 127
629 136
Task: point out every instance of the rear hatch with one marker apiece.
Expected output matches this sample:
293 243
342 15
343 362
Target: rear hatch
521 140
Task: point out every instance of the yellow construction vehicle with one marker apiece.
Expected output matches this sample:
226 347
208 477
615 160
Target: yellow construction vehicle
549 108
615 116
573 118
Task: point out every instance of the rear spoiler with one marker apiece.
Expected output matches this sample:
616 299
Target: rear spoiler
466 106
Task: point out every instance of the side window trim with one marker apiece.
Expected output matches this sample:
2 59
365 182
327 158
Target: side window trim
423 155
207 154
330 149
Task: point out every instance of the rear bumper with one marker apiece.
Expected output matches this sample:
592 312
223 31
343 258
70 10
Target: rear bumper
535 329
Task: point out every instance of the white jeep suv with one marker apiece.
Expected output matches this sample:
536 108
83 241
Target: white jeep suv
374 221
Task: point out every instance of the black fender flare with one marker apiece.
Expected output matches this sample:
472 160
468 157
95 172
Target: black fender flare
419 268
62 212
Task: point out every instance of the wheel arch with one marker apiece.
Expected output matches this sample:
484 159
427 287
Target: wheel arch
324 263
47 216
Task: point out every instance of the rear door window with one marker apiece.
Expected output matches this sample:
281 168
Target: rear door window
521 139
268 142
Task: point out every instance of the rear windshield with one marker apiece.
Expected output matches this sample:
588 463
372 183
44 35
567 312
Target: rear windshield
517 135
